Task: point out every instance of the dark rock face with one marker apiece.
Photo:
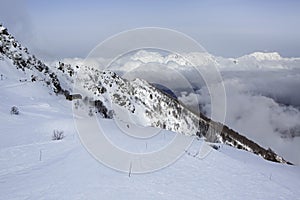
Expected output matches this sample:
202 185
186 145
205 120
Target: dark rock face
71 97
165 90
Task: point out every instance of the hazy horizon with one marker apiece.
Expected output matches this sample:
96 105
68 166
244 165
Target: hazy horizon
55 29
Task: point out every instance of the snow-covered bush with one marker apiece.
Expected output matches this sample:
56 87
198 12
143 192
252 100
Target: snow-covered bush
57 135
110 114
14 110
91 112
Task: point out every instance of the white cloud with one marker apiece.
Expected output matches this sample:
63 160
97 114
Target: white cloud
260 118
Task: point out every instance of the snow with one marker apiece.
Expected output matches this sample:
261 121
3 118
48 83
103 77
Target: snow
33 166
260 56
258 60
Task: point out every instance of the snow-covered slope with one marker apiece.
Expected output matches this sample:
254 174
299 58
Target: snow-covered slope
33 166
33 67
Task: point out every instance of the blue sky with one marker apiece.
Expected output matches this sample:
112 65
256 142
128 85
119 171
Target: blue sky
57 29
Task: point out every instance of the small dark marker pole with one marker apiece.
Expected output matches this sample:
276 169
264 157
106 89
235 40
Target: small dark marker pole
130 167
40 155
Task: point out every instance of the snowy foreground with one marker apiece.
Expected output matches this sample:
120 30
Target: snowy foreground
33 166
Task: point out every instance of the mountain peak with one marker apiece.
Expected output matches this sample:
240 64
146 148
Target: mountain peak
260 56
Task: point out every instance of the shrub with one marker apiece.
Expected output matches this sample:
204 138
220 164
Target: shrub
57 135
215 146
14 110
91 112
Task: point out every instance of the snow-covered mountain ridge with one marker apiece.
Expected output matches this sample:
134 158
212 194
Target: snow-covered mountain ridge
139 98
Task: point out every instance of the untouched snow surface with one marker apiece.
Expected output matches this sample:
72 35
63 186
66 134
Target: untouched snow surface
33 166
